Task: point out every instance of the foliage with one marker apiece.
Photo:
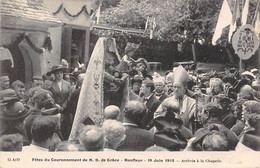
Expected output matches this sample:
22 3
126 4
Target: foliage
176 20
197 17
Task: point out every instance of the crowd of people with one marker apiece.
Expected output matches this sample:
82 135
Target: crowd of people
181 110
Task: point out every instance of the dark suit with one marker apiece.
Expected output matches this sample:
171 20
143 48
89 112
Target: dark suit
61 97
137 139
151 104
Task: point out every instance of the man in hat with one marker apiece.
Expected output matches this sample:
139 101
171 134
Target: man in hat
12 115
187 104
249 76
211 115
160 89
61 91
37 81
74 57
42 100
4 82
150 102
136 139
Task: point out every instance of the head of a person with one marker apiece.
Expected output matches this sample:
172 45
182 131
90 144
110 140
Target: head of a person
43 128
179 89
246 92
37 81
205 81
111 112
67 147
248 76
134 112
43 99
66 77
19 88
169 77
47 84
31 93
238 108
253 121
58 71
171 106
216 85
147 87
131 48
11 142
115 133
141 66
136 83
92 138
156 149
80 79
215 141
250 107
58 74
223 100
180 80
159 85
169 88
210 111
4 82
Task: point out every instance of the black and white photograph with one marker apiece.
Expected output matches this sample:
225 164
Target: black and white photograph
130 83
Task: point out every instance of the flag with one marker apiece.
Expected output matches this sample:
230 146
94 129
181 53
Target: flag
147 23
256 21
98 14
245 13
235 18
152 28
224 19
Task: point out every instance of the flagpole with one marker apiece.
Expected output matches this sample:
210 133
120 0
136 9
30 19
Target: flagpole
256 11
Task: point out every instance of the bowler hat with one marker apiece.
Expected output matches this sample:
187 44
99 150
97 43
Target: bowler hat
165 122
56 68
17 111
7 95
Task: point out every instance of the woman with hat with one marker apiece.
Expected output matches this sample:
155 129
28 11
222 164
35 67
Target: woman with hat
12 115
61 91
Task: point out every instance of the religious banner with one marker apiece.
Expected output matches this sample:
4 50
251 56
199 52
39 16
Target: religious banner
90 105
245 42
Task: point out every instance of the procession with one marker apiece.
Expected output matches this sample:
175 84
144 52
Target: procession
67 84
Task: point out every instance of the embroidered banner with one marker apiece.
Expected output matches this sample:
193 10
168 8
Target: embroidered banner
90 104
